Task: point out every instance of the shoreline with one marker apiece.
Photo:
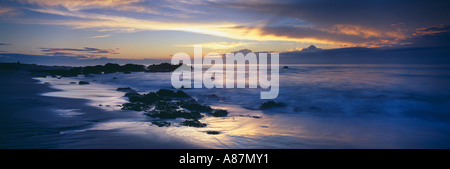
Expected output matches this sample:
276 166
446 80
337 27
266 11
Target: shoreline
55 112
31 120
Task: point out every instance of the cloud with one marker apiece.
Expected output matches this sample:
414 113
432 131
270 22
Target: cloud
100 36
364 23
74 52
220 45
311 48
347 23
432 30
79 5
8 11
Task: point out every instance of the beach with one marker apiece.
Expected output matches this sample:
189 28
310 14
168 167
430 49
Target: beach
32 121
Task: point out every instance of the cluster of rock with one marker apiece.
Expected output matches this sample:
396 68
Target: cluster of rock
66 71
271 104
168 104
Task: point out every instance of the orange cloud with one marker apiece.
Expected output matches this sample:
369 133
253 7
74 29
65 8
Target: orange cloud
7 11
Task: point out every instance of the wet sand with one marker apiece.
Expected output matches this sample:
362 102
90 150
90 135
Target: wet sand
31 121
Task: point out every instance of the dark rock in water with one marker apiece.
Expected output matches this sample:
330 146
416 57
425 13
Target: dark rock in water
173 114
180 93
213 132
134 106
100 105
161 123
271 104
83 83
165 106
149 98
219 113
255 117
166 110
125 89
285 67
193 123
163 67
114 78
194 106
212 97
165 92
110 68
133 67
72 82
170 93
134 97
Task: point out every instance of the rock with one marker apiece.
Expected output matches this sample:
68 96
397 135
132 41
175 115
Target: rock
255 117
170 93
134 106
149 98
165 92
133 67
133 96
114 78
219 113
285 67
180 93
193 123
212 97
161 123
125 89
72 82
213 132
163 67
173 114
271 104
127 72
194 106
166 110
83 82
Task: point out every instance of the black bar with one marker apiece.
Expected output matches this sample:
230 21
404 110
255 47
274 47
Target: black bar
276 158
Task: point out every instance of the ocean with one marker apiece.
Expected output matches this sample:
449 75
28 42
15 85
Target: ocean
326 106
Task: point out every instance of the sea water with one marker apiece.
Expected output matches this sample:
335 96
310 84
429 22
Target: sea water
327 106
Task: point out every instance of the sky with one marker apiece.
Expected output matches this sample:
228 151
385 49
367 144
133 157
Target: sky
154 29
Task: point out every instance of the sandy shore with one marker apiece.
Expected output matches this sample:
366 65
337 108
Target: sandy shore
29 120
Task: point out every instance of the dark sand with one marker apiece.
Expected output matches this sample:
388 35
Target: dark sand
28 120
